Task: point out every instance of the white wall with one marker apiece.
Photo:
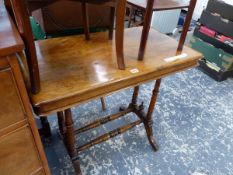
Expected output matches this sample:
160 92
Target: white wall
201 5
229 1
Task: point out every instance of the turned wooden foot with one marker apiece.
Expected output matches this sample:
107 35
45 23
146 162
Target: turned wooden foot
149 132
148 122
46 130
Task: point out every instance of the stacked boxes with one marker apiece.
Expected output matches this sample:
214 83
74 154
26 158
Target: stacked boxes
213 37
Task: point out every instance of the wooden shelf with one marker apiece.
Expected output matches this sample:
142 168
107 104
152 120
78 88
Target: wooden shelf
73 70
160 4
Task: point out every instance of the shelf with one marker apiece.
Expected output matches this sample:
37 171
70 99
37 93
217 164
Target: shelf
160 4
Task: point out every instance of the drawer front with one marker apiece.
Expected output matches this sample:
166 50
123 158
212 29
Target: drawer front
18 153
11 110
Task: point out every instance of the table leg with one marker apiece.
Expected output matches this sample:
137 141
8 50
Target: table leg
135 96
70 140
103 103
61 124
148 120
45 126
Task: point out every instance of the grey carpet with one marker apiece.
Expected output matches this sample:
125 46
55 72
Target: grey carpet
193 125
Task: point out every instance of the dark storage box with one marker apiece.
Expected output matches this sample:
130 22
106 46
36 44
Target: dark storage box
220 7
213 41
217 75
217 23
219 59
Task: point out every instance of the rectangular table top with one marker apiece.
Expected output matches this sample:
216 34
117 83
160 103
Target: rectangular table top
73 70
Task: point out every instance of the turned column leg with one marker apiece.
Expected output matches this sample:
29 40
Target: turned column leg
148 122
61 124
70 140
103 103
135 96
111 26
133 103
69 135
46 130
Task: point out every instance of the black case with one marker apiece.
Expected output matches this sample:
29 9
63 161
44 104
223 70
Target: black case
218 76
217 23
213 41
220 7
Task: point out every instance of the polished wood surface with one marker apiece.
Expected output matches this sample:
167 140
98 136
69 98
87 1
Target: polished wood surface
74 70
84 68
10 40
13 148
9 100
160 4
21 17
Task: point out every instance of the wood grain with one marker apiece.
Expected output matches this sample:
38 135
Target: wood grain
13 148
10 99
84 68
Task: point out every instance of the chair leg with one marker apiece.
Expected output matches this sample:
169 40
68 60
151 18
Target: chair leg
119 34
148 122
85 19
145 29
70 140
103 103
111 26
45 127
61 124
186 25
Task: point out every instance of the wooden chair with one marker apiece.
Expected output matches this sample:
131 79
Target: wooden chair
73 71
159 5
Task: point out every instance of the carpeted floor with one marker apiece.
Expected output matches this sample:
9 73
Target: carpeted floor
193 125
